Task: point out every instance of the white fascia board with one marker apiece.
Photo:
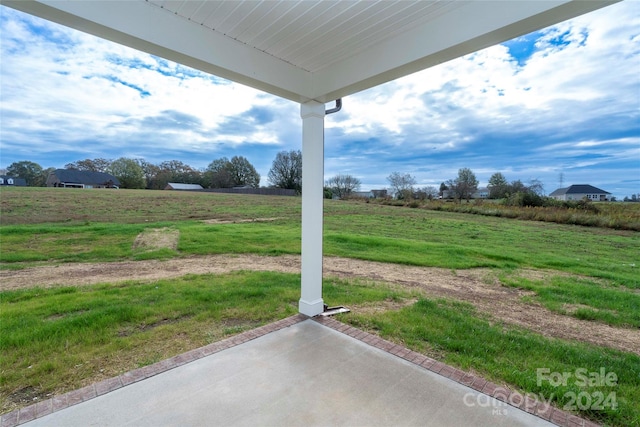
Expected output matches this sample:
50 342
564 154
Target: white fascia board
148 28
469 28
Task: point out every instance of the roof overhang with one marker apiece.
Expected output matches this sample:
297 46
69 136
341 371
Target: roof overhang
308 50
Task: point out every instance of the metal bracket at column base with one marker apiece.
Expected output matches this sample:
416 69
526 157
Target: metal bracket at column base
330 311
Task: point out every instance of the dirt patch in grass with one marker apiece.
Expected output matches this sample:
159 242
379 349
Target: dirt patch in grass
478 287
235 221
26 396
156 238
382 306
55 317
146 327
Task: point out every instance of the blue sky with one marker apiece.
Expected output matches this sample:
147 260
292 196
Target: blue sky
563 100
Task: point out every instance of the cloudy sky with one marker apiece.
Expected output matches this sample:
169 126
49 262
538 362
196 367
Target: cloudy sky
564 100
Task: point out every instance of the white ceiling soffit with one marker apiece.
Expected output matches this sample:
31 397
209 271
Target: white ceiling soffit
308 49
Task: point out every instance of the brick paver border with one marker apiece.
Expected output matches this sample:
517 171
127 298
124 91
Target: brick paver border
56 403
504 394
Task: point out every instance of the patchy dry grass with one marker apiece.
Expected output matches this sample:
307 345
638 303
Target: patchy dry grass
28 205
622 216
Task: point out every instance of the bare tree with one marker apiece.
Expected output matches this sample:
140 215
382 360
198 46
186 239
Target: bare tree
465 184
343 185
536 187
286 170
428 192
401 185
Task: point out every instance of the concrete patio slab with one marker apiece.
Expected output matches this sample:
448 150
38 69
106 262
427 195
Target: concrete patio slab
303 374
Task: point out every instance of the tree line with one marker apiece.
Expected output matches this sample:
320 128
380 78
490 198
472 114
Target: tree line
285 172
462 187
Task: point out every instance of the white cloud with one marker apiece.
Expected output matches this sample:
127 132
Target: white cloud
577 93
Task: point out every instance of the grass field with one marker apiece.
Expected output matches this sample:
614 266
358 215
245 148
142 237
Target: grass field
55 340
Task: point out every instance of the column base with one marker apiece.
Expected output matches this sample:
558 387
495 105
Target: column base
311 308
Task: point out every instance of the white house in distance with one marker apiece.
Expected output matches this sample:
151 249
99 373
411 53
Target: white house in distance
181 186
579 192
480 193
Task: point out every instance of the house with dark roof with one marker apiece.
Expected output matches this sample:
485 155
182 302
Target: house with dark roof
71 178
579 192
11 181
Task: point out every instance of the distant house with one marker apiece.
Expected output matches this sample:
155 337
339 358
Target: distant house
71 178
379 194
579 192
11 181
179 186
480 193
363 194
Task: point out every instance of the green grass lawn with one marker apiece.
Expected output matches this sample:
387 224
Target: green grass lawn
54 340
456 334
377 233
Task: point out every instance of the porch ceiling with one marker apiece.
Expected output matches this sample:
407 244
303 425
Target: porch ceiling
308 49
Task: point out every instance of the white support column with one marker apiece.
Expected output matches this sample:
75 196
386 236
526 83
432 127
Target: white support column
312 114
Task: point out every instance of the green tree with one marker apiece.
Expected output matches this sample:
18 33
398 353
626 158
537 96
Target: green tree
286 170
243 173
45 174
92 165
498 186
328 194
443 188
158 176
31 172
516 186
429 192
176 171
343 185
237 172
129 173
150 172
218 174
